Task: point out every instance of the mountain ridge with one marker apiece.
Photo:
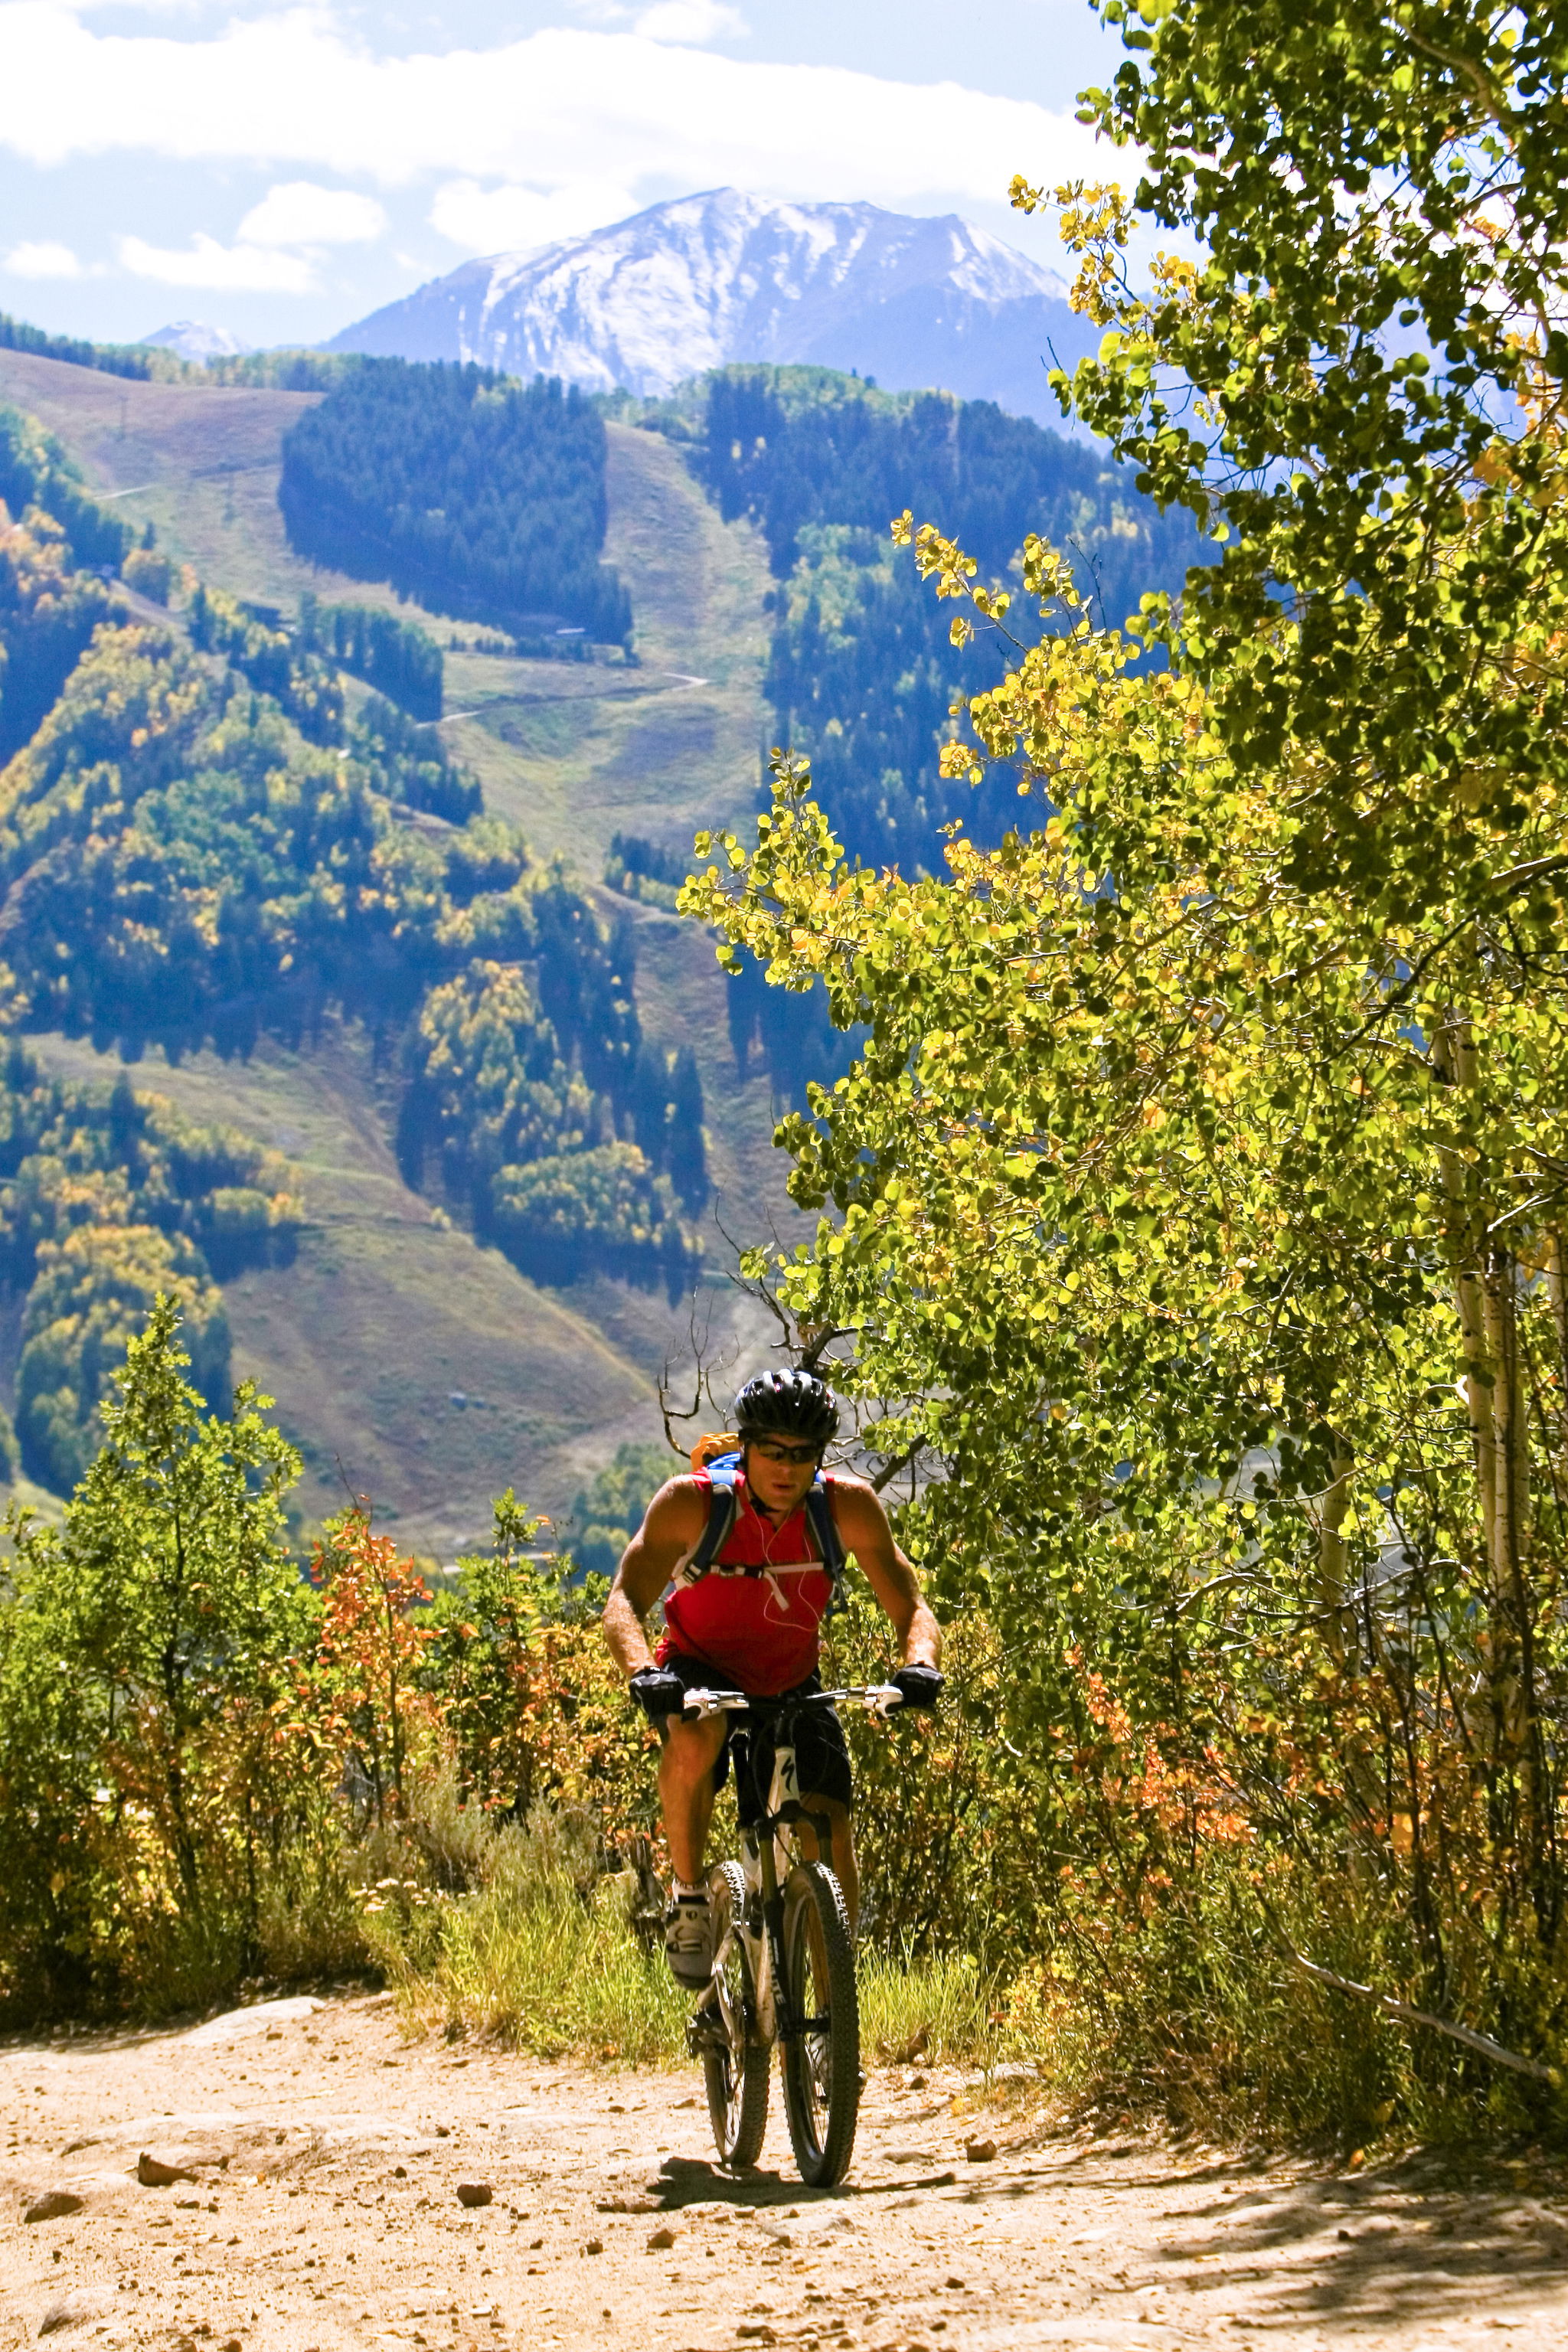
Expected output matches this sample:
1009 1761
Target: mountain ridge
705 280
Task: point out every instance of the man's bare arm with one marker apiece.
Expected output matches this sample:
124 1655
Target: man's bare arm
863 1526
672 1525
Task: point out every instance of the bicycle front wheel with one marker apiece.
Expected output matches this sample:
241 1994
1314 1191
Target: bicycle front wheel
822 2056
734 2055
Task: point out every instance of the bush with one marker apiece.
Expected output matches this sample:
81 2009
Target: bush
212 1767
147 1652
948 1824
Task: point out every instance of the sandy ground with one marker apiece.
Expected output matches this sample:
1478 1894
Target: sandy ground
327 2154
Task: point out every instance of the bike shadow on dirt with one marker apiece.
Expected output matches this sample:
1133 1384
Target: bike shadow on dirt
699 2180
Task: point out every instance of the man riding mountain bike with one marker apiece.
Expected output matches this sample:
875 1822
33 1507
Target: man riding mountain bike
748 1554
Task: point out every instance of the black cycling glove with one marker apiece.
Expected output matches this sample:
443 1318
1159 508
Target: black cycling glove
921 1685
658 1692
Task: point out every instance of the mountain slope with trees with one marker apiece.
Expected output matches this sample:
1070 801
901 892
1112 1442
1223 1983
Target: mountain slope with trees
381 1312
483 497
863 669
242 881
199 847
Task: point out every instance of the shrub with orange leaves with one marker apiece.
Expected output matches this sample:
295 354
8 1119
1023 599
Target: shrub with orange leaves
528 1696
369 1706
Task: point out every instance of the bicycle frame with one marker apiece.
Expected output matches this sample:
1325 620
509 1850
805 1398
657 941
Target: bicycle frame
766 1851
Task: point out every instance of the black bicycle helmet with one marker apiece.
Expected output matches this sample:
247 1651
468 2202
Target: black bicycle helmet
788 1404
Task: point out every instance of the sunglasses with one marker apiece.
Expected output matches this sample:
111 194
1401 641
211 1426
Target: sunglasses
772 1449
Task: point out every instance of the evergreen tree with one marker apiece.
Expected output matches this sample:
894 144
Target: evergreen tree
688 1149
607 1515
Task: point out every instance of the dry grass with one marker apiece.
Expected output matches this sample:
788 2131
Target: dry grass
541 1958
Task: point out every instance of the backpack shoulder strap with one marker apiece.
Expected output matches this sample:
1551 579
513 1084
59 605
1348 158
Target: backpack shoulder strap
722 1505
819 1511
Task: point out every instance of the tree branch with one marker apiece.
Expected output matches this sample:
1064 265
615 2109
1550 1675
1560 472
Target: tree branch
1409 2016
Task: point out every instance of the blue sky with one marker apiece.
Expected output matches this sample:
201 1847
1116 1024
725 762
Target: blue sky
280 170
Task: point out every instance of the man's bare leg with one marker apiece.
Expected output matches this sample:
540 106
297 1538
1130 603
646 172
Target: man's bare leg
685 1792
685 1795
847 1869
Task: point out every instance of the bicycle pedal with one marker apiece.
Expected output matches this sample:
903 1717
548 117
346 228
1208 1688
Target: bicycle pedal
705 2026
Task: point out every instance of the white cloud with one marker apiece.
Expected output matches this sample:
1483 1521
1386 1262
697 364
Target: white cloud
513 219
689 20
297 211
548 111
234 269
45 259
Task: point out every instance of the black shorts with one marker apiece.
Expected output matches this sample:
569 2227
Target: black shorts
821 1752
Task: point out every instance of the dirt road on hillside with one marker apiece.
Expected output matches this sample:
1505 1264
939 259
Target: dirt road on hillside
323 2215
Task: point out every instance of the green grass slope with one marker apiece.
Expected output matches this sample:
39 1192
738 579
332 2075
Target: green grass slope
574 754
387 1312
199 462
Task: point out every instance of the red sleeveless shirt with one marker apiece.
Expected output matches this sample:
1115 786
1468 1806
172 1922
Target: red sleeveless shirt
754 1616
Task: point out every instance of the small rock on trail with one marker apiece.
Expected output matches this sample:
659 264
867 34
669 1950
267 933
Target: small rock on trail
53 2206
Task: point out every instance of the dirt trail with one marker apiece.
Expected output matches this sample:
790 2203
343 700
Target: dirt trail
324 2213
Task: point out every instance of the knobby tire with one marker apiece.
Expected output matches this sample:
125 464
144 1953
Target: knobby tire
736 2074
821 2067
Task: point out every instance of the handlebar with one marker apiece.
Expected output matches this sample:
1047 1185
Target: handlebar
872 1698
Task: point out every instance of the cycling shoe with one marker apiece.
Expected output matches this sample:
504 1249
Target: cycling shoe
688 1941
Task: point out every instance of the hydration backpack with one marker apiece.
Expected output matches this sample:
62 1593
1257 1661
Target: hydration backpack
724 1502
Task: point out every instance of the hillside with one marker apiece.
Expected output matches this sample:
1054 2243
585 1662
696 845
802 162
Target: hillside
575 754
199 462
708 280
385 1313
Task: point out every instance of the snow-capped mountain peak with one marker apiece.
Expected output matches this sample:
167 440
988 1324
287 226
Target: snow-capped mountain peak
725 276
193 338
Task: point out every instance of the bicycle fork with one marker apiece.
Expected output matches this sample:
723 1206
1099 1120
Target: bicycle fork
774 2007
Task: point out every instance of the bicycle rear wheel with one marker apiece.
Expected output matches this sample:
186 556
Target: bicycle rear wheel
821 2061
734 2055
